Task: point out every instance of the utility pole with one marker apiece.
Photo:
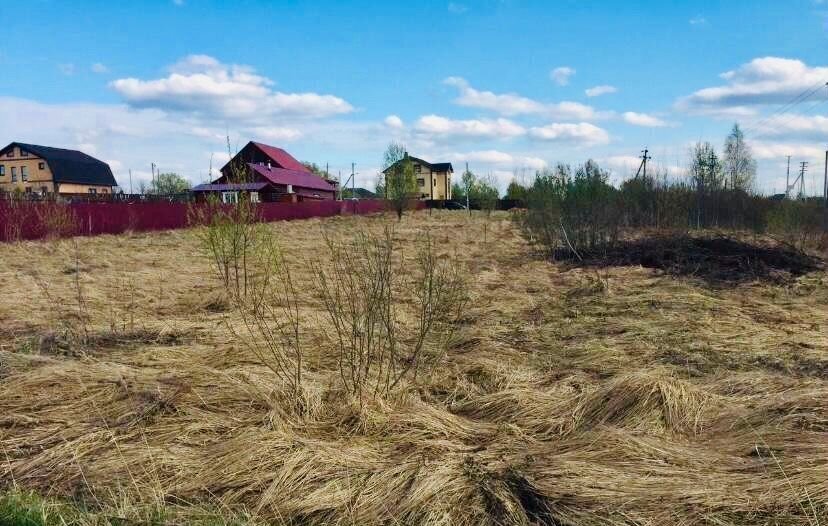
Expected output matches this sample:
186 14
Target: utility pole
130 181
467 190
353 186
339 184
643 166
788 178
825 181
803 167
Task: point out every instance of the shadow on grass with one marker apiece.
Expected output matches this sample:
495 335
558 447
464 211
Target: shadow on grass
718 261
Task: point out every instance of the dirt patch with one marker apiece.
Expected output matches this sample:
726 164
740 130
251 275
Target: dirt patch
716 260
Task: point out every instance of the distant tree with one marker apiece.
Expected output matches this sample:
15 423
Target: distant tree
169 183
706 170
516 191
739 166
468 179
315 169
379 186
400 182
458 192
484 193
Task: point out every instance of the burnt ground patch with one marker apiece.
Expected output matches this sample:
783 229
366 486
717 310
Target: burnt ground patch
718 260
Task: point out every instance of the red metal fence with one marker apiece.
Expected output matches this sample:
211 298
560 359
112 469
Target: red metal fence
36 220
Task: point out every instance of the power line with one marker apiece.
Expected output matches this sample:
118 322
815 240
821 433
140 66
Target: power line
807 93
775 125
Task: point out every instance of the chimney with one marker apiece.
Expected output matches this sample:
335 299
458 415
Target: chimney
406 155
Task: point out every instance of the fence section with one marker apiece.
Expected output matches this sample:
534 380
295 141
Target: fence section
36 220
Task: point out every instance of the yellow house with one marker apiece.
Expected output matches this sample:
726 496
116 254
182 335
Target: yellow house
44 170
433 179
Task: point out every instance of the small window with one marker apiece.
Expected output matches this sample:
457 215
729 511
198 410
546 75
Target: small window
10 153
2 170
28 189
44 190
41 166
417 168
24 153
14 174
434 181
93 191
421 182
24 173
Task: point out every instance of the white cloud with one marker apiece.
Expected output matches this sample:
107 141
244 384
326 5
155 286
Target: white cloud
814 127
178 2
477 128
67 69
457 9
597 91
97 67
201 86
762 81
394 122
496 157
642 119
583 133
275 133
779 150
511 104
698 21
561 75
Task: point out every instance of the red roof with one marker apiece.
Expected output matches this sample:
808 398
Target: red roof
281 157
299 179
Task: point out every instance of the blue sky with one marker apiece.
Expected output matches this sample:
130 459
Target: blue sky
507 85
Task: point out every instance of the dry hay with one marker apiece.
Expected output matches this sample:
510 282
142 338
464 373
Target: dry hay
650 401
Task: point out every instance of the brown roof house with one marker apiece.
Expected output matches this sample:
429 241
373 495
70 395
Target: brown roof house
267 173
433 179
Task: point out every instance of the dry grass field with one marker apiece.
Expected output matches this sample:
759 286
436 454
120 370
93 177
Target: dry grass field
569 396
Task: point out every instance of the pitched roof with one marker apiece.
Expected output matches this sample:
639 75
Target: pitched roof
281 157
359 192
434 167
247 187
296 178
70 166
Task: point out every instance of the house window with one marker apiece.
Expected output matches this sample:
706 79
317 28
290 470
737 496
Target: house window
93 191
2 170
421 182
434 181
417 168
229 198
44 190
24 173
28 189
24 153
10 153
41 166
14 174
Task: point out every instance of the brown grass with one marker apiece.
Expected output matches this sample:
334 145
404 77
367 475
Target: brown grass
643 399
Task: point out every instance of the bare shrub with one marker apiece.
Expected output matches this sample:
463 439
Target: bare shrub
270 316
15 214
579 211
56 219
231 236
361 291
